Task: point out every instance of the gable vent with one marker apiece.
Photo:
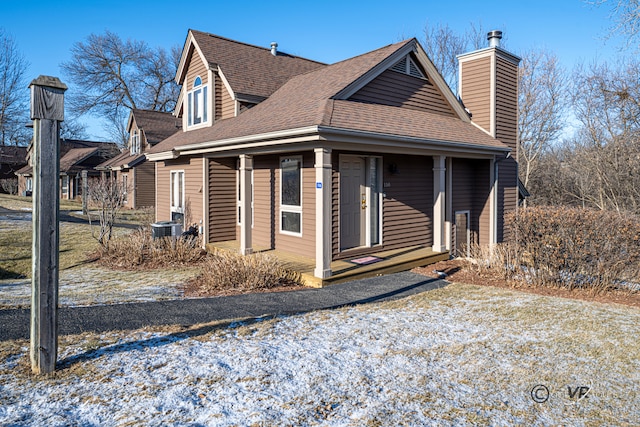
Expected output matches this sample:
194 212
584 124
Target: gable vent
407 66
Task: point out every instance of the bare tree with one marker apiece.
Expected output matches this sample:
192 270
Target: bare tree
542 108
443 45
14 97
114 76
107 196
626 17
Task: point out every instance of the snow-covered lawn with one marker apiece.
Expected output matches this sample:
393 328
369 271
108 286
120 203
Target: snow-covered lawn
461 355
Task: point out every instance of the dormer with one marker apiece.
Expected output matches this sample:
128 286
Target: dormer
221 78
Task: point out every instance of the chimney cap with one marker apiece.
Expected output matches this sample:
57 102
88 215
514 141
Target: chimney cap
274 48
494 38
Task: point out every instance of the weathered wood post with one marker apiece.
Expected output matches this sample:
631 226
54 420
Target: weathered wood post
47 111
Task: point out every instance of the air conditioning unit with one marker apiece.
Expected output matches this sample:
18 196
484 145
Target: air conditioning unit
166 229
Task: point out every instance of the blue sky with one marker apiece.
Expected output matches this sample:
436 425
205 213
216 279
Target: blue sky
326 31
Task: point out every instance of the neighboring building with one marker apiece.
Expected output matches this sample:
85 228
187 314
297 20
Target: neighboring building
336 161
146 128
12 159
76 156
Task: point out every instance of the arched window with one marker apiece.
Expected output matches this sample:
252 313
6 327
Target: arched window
197 103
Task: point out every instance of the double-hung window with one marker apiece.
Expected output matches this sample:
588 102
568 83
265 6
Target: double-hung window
197 103
135 143
177 195
291 195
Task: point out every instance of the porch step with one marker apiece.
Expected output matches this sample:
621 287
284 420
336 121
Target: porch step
416 258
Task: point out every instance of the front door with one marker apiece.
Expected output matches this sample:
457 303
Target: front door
353 202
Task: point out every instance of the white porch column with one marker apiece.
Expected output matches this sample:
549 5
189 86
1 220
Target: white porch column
493 203
439 197
246 167
323 212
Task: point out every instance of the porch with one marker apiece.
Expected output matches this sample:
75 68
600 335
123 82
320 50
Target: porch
357 267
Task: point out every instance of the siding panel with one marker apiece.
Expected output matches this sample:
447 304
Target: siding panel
145 192
222 200
401 90
476 90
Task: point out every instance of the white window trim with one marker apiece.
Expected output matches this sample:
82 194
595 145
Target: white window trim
291 208
135 143
174 183
204 105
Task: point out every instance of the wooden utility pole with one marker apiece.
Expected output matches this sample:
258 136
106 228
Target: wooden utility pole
47 111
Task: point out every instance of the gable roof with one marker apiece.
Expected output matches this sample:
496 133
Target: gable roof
263 77
157 125
316 101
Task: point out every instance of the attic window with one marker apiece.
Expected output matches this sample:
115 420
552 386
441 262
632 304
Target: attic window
197 103
135 143
407 66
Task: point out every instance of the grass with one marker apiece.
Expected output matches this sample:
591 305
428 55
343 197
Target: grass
459 355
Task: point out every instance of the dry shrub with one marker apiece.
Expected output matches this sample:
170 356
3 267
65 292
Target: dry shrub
499 261
569 248
139 250
224 270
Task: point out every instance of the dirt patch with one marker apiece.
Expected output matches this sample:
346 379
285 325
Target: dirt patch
460 271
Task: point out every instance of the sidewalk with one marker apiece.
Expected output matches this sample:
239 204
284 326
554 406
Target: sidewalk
72 320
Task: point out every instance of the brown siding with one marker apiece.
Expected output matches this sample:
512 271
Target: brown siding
195 68
476 90
217 97
193 182
228 105
408 202
471 189
145 181
222 200
265 225
401 90
507 194
507 103
304 245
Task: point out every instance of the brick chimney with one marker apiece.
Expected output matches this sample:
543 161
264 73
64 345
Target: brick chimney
488 87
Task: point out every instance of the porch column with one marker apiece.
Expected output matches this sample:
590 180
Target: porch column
246 167
493 203
323 212
439 196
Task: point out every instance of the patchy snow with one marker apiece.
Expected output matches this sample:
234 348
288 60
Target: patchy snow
461 355
90 285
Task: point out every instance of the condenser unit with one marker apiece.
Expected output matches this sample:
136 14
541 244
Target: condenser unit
166 229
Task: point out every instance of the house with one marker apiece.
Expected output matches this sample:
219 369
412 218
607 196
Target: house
138 176
335 162
12 158
76 157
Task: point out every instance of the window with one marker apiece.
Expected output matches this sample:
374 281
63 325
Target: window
29 184
177 194
124 188
197 103
134 144
65 186
291 195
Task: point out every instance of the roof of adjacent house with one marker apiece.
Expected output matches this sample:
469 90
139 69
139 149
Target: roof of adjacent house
72 159
123 160
310 100
13 155
250 70
157 125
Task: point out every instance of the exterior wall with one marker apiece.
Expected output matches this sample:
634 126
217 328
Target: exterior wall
194 186
408 203
265 213
401 90
222 200
475 89
195 68
228 105
145 190
471 190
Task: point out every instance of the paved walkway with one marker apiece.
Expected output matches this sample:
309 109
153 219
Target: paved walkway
15 323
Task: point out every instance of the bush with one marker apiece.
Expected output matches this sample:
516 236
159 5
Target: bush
9 185
225 270
139 250
569 248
